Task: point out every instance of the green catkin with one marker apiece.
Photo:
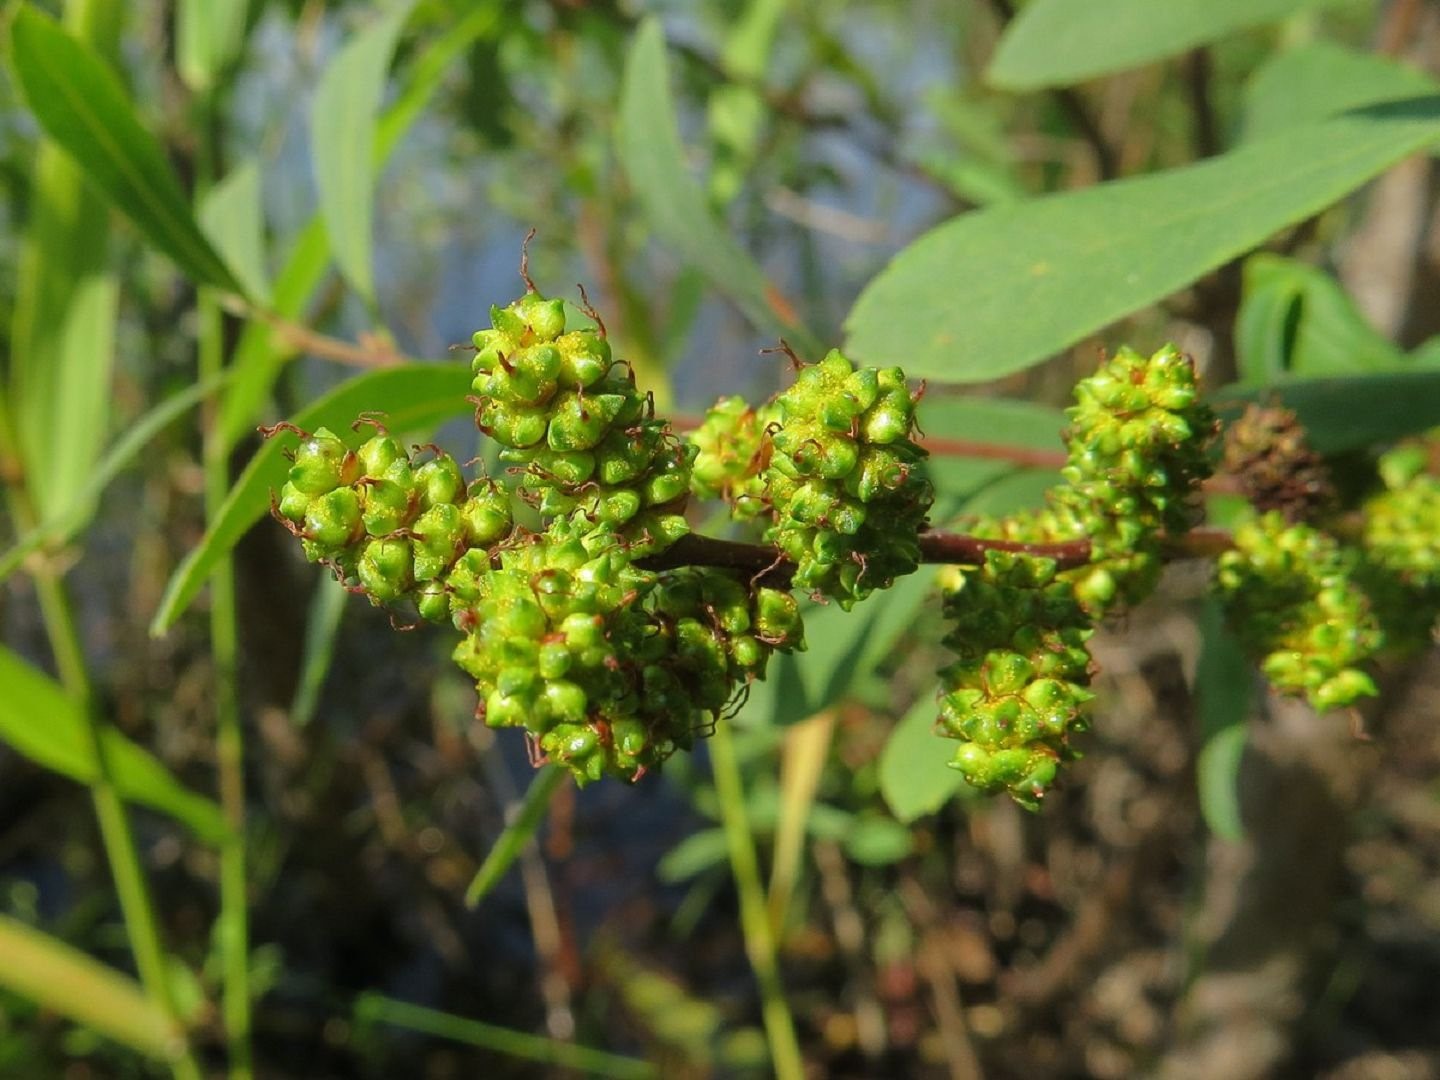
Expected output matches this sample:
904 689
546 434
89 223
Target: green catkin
846 489
610 666
1016 693
1401 546
388 524
1290 595
732 449
584 438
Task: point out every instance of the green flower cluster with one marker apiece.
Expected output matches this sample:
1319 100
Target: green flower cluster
1290 595
1017 690
609 667
390 525
844 479
585 438
1401 546
1137 442
732 450
607 664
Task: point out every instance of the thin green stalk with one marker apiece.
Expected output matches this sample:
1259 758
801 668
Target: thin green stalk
116 835
232 927
376 1008
754 909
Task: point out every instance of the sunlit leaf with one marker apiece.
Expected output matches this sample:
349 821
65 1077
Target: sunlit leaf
654 160
61 978
208 36
1296 319
1318 80
343 121
1056 42
38 719
999 289
233 217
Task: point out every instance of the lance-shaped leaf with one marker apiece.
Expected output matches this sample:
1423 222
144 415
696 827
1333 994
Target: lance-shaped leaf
81 104
38 719
61 978
999 289
343 119
654 159
1058 42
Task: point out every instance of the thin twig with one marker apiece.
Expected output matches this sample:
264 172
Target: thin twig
372 352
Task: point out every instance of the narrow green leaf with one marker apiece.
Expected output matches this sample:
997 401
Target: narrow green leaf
74 394
1318 80
233 217
518 832
1224 683
412 397
1350 413
994 291
61 978
62 336
259 356
378 1009
208 36
327 608
69 519
654 160
914 778
343 120
82 106
39 720
1058 42
1296 319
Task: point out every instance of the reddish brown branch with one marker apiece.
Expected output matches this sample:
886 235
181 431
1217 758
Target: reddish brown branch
936 547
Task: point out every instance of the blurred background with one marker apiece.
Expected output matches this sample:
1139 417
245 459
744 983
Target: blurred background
1225 885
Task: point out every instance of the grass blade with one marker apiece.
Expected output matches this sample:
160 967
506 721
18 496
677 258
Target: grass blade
519 832
61 978
379 1009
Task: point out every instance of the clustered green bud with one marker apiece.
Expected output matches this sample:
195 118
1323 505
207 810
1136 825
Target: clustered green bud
732 450
844 481
1290 595
1401 547
1137 443
609 667
390 524
586 438
1017 691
